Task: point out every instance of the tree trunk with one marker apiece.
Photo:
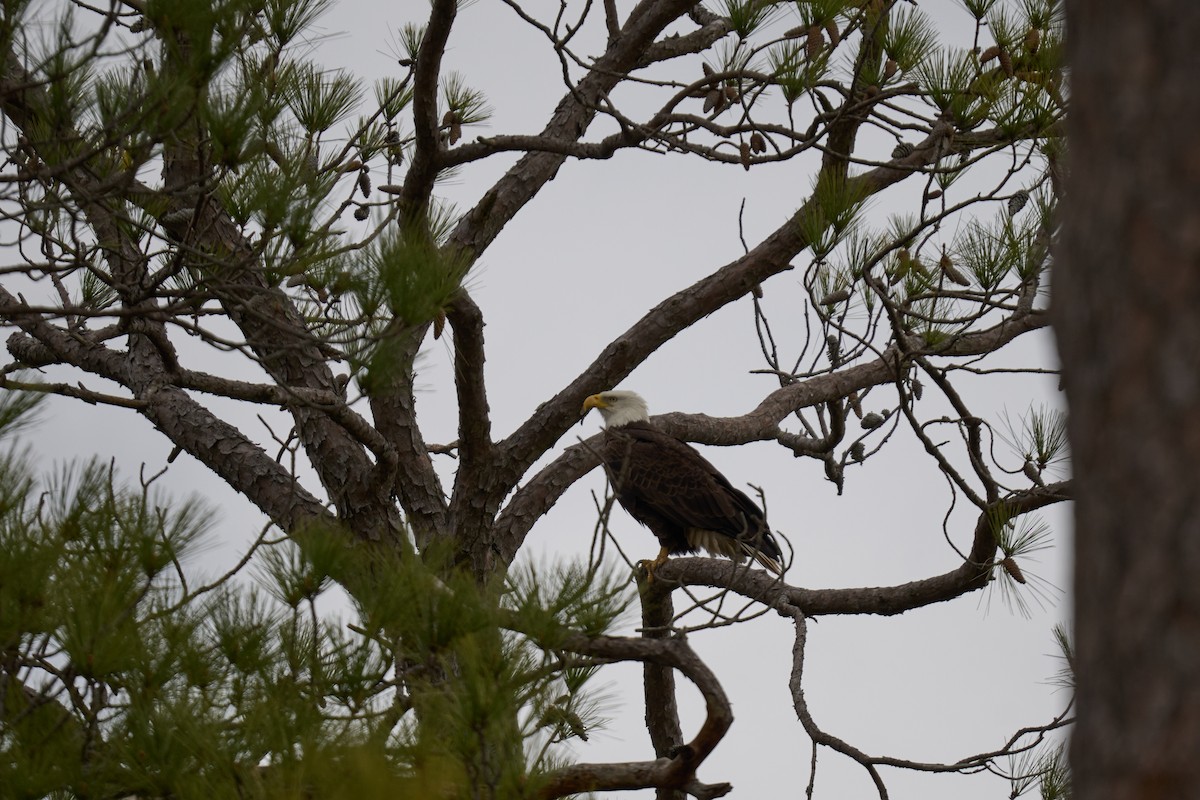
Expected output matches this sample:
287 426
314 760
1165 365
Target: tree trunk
1127 305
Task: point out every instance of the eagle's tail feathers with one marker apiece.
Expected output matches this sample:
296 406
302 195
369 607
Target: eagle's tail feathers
768 563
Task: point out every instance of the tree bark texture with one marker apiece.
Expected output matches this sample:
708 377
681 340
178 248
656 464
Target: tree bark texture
1126 298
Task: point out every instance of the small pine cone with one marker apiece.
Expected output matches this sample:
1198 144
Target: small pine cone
395 151
391 188
1006 63
708 71
989 54
890 68
871 91
815 43
1033 40
918 389
902 150
857 451
139 25
575 723
1033 473
1017 202
933 194
758 143
732 94
439 323
715 101
180 216
952 272
1010 566
455 132
744 155
871 421
796 32
361 213
831 29
899 273
364 183
833 298
835 349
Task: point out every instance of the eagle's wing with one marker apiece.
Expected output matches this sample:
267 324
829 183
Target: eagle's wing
679 484
668 486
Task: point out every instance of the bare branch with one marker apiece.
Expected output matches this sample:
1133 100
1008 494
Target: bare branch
675 772
423 168
970 576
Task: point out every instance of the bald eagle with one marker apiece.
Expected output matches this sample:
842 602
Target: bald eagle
666 485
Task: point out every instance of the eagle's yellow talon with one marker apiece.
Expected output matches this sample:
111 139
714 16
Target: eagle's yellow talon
651 566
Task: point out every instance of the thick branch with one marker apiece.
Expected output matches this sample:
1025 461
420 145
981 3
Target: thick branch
543 490
698 40
688 306
675 772
214 442
271 324
394 411
570 120
474 420
473 508
423 166
970 576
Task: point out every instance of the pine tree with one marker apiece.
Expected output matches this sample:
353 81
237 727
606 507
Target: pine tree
212 230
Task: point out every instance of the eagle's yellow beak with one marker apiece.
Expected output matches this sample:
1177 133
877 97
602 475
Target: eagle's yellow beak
595 401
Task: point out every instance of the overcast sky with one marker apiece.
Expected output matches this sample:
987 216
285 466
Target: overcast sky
602 244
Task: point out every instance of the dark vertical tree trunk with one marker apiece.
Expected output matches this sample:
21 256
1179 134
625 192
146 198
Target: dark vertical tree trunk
1127 305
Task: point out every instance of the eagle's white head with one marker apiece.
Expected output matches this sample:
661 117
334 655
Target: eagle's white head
618 407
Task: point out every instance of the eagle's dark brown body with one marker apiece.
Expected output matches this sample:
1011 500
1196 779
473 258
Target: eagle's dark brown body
666 485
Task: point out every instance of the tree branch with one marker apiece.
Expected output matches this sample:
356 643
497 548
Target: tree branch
543 490
662 708
688 306
675 772
423 166
970 576
800 704
570 120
